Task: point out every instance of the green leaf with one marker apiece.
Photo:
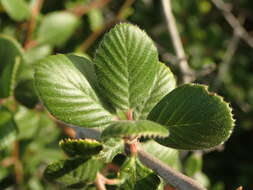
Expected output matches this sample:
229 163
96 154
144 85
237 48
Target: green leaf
80 147
196 118
25 93
126 58
8 129
163 84
193 164
18 10
56 28
111 148
67 94
96 19
167 155
11 57
136 176
140 128
73 172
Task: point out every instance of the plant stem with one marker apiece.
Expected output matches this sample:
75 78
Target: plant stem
187 73
170 175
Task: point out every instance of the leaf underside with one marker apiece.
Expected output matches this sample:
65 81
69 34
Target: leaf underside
125 58
196 118
80 147
67 94
141 128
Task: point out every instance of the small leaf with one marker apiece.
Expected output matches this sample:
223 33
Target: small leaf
163 84
96 19
196 118
11 57
8 129
125 59
111 148
56 28
136 176
67 94
134 128
80 147
167 155
193 164
18 10
73 172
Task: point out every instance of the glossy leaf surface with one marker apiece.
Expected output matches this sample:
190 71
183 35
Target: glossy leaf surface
139 128
67 94
196 118
125 59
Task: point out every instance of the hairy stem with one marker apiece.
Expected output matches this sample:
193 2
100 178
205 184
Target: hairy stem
170 175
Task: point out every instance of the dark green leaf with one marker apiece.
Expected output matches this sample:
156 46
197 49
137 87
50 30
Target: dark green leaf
11 57
67 94
73 172
56 28
17 9
139 128
80 147
125 59
163 84
8 129
196 118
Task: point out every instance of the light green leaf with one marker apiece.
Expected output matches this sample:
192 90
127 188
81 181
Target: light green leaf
56 28
96 19
75 172
126 62
8 129
196 118
111 148
11 57
67 94
163 84
18 10
136 176
193 164
139 128
80 147
167 155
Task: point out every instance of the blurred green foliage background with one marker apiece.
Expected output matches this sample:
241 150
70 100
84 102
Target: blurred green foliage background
33 29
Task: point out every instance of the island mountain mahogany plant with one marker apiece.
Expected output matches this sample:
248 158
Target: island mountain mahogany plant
131 100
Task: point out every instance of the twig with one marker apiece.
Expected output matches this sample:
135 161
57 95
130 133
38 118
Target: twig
92 38
234 22
82 10
187 73
32 24
170 175
102 180
17 164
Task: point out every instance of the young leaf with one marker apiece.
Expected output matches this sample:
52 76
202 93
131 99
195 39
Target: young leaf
193 164
56 28
167 155
67 94
135 176
80 147
163 84
134 128
8 129
111 148
73 172
126 62
11 57
196 118
18 10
